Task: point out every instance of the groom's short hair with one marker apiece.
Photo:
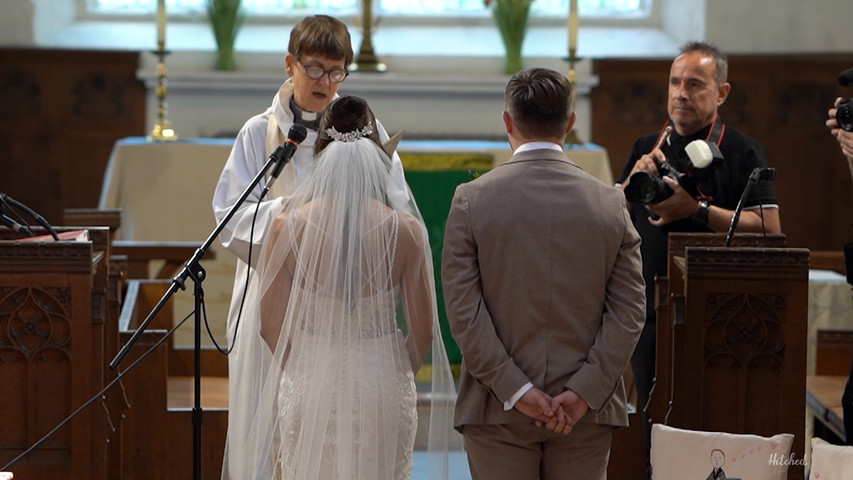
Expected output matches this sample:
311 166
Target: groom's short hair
540 101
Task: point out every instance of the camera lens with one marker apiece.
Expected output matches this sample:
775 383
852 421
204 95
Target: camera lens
643 188
647 189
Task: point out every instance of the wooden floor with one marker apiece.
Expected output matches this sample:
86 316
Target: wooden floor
214 393
823 396
627 465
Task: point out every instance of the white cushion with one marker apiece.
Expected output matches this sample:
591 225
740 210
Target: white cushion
831 462
678 454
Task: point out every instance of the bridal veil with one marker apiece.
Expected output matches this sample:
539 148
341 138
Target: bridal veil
340 315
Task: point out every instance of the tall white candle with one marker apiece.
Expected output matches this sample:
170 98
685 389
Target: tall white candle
161 23
574 24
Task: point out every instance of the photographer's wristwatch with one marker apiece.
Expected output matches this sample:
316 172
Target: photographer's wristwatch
701 215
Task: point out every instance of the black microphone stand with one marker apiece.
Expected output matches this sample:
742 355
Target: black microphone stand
756 175
196 272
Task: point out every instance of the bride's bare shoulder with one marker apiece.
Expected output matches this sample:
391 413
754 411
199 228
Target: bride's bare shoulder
411 232
279 222
297 213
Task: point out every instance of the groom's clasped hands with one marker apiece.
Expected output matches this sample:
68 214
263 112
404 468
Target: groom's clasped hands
558 414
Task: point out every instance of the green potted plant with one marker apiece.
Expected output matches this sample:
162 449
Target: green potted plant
226 18
511 19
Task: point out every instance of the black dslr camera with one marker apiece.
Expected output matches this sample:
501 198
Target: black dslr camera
844 114
644 188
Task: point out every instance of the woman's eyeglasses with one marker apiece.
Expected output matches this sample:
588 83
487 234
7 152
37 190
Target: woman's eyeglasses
316 72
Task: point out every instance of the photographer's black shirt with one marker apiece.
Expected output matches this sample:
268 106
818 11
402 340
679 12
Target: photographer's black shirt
721 184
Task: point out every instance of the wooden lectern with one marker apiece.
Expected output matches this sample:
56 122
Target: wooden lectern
731 337
58 323
63 317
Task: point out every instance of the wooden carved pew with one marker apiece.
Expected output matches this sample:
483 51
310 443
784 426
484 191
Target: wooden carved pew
154 431
825 388
157 433
143 259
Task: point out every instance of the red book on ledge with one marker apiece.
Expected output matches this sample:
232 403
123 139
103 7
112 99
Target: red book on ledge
69 236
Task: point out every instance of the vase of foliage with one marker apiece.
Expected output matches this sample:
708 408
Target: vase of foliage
511 19
226 18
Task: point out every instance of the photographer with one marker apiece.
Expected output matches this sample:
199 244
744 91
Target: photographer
845 140
707 197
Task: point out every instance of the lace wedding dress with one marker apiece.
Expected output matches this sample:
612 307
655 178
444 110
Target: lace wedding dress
347 403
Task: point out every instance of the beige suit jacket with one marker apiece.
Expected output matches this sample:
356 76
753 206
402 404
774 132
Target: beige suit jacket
543 283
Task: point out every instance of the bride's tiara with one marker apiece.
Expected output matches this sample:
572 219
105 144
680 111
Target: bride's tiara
352 136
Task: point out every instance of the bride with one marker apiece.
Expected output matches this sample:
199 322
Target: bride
339 263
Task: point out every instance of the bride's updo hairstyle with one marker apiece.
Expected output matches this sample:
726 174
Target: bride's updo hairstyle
349 161
346 119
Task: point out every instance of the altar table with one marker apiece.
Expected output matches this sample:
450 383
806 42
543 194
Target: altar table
165 190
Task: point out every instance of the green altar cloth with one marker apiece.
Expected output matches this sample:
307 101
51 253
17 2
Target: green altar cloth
433 179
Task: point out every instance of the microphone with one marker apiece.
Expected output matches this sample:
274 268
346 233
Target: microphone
284 153
9 222
762 174
7 201
758 174
846 78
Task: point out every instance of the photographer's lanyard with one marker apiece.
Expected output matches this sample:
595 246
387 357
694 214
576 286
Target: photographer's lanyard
718 131
715 135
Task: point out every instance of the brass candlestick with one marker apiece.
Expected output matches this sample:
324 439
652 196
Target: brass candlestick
366 60
572 138
162 130
572 59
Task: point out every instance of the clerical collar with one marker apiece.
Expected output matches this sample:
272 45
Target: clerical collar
309 119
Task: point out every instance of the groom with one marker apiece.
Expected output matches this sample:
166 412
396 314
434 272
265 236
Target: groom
544 291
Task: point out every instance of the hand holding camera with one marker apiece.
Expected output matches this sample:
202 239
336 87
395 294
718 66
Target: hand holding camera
645 188
679 205
840 121
844 108
844 114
